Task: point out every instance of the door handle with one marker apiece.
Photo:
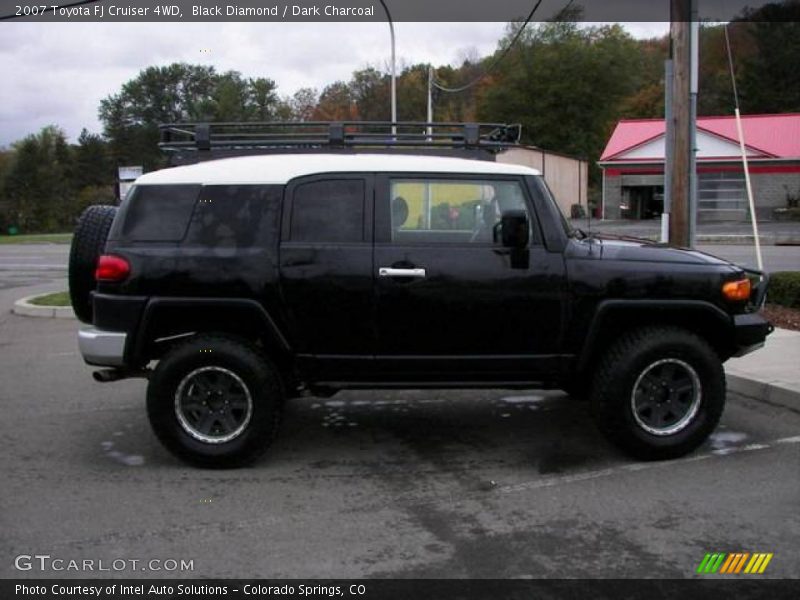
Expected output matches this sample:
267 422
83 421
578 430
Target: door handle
392 272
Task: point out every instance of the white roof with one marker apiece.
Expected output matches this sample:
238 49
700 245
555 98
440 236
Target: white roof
280 168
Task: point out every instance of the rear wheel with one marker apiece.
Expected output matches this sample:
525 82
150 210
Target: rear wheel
659 392
215 401
88 243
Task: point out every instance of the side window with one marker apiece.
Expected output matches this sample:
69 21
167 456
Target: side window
331 210
450 211
155 213
233 215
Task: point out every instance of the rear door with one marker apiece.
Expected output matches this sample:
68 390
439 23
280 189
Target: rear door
452 303
326 270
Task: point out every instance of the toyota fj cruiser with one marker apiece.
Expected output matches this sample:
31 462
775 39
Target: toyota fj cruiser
252 279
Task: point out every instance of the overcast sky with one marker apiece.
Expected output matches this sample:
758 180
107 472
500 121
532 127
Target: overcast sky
57 73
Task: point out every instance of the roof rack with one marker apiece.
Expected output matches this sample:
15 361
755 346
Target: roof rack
270 137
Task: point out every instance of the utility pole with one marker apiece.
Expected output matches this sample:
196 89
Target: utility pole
669 135
680 51
694 88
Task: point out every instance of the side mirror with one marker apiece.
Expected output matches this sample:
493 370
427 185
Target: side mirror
515 229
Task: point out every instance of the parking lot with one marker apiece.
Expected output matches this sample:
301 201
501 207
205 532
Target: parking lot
372 484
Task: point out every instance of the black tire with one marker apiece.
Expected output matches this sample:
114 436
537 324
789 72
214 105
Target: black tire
176 383
88 243
643 379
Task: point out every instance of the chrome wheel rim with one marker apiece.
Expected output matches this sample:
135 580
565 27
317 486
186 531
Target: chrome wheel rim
213 405
666 397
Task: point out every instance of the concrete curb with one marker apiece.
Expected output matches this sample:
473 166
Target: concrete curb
24 308
771 393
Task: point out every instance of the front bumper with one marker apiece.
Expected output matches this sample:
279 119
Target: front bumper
750 330
102 348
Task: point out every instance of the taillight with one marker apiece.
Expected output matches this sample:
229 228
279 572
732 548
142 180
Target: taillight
737 290
111 268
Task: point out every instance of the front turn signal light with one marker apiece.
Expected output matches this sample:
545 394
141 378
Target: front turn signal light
737 290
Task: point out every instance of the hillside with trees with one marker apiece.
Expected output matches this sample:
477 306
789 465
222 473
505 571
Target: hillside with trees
567 84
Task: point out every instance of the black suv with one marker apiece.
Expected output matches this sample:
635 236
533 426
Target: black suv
254 279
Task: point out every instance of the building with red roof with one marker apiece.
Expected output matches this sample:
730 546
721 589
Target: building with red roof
633 167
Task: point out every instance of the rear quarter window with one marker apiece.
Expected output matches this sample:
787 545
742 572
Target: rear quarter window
234 215
155 213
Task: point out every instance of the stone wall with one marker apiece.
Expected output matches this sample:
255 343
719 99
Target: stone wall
770 191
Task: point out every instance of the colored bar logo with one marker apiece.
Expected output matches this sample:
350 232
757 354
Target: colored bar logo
734 563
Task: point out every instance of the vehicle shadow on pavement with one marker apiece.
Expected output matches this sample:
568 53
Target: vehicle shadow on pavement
368 433
547 432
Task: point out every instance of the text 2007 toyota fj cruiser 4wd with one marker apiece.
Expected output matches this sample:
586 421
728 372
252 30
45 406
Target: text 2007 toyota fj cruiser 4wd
252 279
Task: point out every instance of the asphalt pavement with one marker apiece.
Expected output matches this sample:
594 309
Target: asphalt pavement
25 265
372 484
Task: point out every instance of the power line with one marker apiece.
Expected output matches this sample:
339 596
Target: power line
50 8
497 60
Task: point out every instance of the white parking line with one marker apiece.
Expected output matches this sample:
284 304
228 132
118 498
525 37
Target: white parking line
789 440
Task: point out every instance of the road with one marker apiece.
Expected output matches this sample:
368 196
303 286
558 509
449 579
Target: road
776 258
24 265
402 484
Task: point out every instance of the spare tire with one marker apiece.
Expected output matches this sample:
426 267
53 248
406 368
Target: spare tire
88 243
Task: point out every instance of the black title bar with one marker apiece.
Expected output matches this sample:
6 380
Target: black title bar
366 10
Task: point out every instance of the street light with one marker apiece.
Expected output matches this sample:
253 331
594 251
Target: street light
394 74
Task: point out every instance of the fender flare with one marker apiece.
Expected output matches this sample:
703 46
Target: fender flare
245 305
608 309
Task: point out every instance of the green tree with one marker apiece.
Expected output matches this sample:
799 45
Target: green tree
565 84
770 77
6 162
92 165
229 98
262 99
371 91
38 186
176 93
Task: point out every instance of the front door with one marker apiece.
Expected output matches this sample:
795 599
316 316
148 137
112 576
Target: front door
452 303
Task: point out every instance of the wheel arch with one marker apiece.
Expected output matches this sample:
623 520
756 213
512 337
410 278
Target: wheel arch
175 317
615 317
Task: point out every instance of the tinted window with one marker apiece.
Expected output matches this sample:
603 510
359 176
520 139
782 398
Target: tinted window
328 211
451 211
156 213
232 215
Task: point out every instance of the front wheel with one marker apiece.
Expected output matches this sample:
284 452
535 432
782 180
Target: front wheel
659 392
215 401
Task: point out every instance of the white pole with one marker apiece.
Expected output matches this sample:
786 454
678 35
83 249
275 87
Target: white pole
749 190
394 83
430 102
394 69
